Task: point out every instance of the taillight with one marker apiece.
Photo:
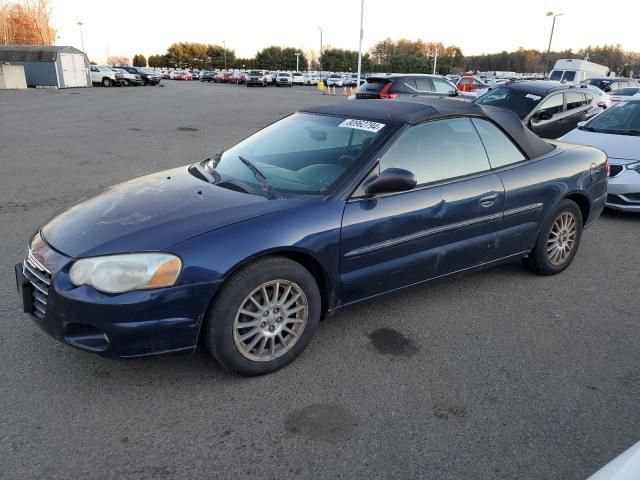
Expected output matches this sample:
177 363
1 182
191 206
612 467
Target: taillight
384 93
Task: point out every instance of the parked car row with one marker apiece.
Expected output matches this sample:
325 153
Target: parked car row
123 76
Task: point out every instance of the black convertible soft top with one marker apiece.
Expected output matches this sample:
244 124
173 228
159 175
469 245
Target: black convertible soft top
418 110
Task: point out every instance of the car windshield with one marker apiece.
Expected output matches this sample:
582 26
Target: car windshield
626 92
556 75
145 70
600 83
256 72
283 74
305 154
519 101
623 118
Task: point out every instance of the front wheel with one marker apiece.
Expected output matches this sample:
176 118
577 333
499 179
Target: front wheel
264 316
558 240
106 82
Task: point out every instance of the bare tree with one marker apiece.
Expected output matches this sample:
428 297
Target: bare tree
40 13
118 61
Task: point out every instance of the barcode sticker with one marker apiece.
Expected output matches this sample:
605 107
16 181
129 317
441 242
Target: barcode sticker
365 125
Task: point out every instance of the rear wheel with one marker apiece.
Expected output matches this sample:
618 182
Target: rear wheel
558 240
264 316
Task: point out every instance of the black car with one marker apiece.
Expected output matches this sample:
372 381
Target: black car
549 109
393 86
610 84
207 76
149 77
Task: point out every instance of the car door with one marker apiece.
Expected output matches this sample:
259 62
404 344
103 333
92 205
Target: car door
447 223
543 121
577 107
524 200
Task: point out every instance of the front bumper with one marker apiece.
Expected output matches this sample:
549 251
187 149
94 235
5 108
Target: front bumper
132 324
624 191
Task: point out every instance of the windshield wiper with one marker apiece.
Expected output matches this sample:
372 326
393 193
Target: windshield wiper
260 177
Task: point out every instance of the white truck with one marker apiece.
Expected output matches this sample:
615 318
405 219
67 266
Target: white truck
574 71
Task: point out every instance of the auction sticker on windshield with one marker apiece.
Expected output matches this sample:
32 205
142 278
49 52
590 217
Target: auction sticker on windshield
362 125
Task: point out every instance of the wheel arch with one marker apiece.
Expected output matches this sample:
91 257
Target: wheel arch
304 258
581 199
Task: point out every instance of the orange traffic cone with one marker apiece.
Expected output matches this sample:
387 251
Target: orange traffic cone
344 91
351 91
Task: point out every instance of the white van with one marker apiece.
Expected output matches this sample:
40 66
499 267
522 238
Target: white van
574 71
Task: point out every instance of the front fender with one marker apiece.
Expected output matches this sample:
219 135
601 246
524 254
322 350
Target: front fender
311 229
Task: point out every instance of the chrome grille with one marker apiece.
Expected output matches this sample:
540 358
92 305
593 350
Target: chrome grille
615 170
40 279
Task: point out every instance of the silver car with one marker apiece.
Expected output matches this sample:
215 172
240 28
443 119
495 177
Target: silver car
616 131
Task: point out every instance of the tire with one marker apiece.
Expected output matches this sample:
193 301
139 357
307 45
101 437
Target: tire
106 82
558 240
223 337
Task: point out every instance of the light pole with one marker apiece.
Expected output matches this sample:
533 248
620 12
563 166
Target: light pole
80 24
360 45
320 52
553 25
435 60
297 62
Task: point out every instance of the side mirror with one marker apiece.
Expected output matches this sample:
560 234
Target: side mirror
390 181
543 115
453 93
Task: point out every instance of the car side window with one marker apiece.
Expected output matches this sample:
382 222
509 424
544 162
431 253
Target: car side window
442 87
94 69
438 150
553 104
500 148
574 100
407 85
424 85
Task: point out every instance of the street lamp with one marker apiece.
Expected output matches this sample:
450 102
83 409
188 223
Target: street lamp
320 51
553 24
297 61
360 45
80 24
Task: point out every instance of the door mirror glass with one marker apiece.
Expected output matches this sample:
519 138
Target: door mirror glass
390 181
543 115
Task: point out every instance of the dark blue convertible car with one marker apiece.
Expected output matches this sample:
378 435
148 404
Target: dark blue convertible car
330 206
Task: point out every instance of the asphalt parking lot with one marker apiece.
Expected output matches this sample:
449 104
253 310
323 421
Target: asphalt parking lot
500 374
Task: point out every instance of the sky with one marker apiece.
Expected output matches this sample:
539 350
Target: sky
128 27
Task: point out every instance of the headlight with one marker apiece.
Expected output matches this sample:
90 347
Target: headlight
123 273
634 166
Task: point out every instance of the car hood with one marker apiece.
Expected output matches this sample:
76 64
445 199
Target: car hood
152 213
624 147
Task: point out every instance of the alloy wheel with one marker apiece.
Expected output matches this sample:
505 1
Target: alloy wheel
562 238
270 320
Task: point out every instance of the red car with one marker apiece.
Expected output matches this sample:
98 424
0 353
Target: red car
469 83
238 78
183 76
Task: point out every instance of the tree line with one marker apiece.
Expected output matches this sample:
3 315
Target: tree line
26 23
398 56
531 61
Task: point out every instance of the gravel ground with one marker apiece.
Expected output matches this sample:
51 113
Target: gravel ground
500 374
